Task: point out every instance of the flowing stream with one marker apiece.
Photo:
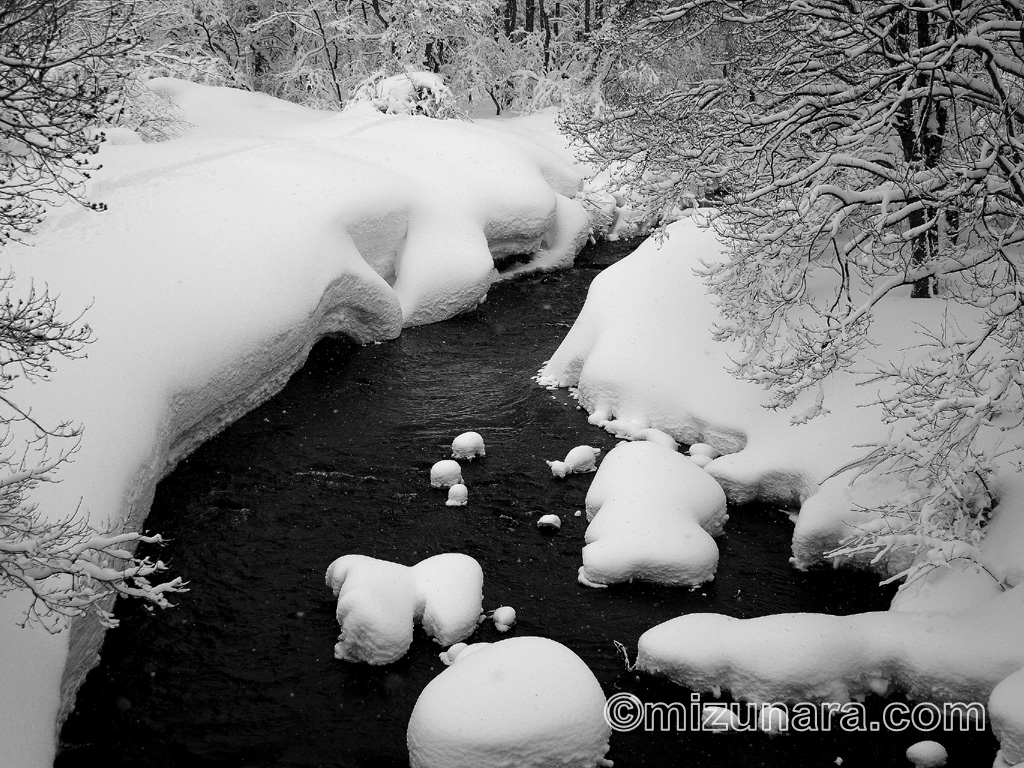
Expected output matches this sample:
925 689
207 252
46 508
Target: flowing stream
241 673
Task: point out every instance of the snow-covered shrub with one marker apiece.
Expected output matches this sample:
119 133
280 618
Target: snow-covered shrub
150 114
410 93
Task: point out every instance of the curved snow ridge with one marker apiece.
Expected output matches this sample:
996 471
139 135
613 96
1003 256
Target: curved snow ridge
653 514
931 656
223 257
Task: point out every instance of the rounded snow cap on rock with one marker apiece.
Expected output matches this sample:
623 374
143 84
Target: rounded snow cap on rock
703 449
700 459
458 494
504 618
549 522
559 468
468 445
927 754
582 458
527 702
445 473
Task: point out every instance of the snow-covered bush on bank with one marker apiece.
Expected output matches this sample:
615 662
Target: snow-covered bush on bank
223 256
409 93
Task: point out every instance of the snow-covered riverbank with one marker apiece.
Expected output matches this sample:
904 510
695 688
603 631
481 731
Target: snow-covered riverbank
224 255
641 355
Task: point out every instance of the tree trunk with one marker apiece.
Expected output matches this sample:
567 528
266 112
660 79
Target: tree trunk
921 126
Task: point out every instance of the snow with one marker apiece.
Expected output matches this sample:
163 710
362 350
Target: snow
527 702
653 515
224 255
468 445
703 449
1006 713
458 495
580 460
445 474
932 656
410 93
504 618
927 754
553 522
641 355
379 602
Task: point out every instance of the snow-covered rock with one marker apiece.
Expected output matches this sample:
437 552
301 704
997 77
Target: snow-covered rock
703 449
653 515
653 435
701 460
715 719
958 656
468 445
504 618
458 495
526 702
379 602
773 720
449 656
445 474
927 754
581 459
1006 711
549 522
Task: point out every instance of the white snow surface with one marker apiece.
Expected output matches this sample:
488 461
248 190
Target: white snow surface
958 656
549 521
579 460
504 618
468 445
379 602
927 754
458 496
527 702
1006 714
652 513
224 255
445 474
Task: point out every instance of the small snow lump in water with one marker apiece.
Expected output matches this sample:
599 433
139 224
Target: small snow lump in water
504 618
458 494
927 754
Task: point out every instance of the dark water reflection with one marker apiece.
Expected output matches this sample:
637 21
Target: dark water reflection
241 673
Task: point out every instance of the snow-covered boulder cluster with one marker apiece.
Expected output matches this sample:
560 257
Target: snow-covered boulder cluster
379 602
652 516
527 702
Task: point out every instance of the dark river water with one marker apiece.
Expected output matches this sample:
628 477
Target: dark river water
241 673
